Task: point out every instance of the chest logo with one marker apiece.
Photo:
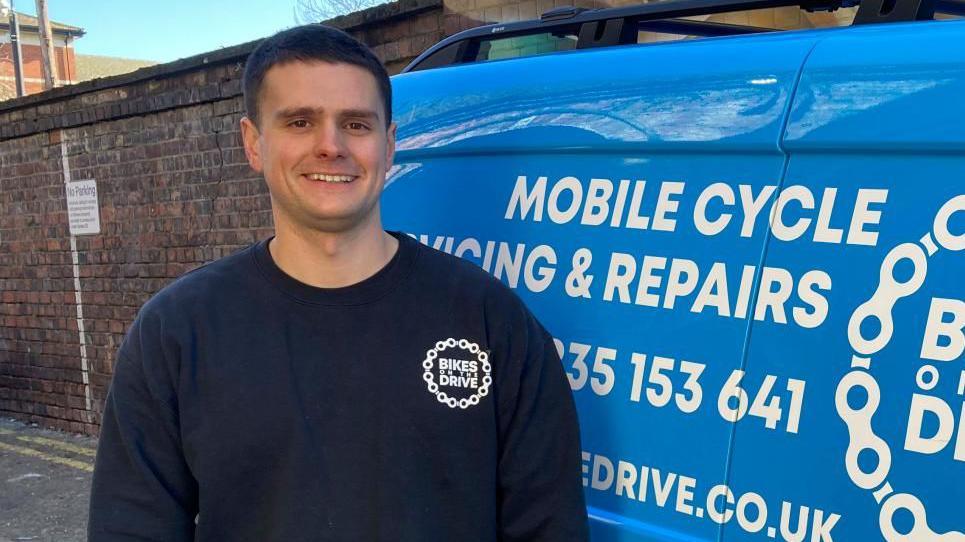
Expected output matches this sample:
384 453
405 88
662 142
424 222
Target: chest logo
457 372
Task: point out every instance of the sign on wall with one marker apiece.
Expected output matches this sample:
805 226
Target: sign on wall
83 211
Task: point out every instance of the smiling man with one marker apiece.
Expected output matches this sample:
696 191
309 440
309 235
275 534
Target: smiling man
337 381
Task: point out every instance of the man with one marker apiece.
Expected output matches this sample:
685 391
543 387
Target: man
336 382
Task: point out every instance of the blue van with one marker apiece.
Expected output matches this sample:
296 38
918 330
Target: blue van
750 248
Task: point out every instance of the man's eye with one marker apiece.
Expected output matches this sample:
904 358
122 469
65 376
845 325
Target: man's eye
357 126
299 123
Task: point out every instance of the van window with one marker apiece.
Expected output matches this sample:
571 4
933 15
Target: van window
535 44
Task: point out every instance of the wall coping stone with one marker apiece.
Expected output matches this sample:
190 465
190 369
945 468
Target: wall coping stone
383 13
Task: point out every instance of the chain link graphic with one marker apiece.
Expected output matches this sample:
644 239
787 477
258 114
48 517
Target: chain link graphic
863 439
429 377
882 302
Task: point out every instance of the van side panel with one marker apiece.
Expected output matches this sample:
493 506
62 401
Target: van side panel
876 182
604 187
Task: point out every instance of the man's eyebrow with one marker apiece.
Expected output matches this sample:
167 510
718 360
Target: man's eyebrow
314 111
360 113
297 112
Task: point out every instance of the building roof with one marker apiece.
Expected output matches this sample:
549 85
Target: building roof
95 66
31 24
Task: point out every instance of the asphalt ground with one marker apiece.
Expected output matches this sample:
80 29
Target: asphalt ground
44 483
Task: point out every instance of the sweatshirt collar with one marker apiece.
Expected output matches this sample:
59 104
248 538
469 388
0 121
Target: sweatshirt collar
366 291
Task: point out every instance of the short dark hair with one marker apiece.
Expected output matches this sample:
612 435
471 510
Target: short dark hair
311 43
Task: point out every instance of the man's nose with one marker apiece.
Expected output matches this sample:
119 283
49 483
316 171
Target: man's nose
328 141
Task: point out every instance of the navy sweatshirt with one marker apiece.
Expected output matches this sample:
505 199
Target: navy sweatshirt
424 403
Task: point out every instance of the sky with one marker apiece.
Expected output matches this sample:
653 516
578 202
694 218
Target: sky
166 30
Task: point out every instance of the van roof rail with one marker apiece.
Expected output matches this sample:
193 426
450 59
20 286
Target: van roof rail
619 26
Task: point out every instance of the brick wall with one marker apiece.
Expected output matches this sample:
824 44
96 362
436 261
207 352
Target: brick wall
397 32
174 190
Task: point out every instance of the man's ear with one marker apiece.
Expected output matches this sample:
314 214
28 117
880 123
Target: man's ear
389 146
250 136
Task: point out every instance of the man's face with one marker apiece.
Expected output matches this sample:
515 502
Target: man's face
322 145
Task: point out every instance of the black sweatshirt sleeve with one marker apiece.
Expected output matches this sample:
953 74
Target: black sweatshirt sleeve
142 488
541 490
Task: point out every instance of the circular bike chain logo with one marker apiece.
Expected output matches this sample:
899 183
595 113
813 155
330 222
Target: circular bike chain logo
862 436
457 372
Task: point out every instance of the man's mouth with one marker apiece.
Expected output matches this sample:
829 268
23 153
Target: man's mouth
330 178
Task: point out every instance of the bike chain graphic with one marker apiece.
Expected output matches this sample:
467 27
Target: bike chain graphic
862 436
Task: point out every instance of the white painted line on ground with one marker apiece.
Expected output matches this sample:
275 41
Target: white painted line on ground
22 477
